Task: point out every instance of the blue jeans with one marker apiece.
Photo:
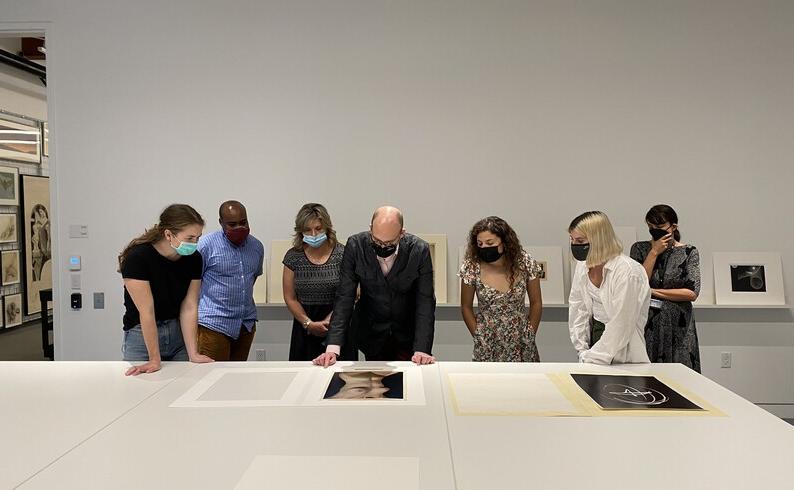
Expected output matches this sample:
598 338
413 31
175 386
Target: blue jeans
172 345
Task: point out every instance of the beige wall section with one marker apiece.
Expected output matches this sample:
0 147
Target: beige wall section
453 110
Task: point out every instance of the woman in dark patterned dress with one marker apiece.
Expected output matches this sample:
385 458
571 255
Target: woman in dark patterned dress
311 275
501 274
673 270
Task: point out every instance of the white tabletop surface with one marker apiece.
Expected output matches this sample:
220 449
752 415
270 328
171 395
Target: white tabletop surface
47 408
85 425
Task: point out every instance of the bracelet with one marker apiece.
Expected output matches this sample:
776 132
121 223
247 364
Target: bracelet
306 323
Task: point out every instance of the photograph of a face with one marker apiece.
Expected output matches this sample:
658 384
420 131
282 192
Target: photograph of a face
12 310
361 385
632 393
748 279
9 267
8 228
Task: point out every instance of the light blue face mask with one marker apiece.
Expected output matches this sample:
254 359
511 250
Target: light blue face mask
185 248
315 241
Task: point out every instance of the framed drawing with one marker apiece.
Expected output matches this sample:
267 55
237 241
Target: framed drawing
748 278
278 248
20 139
9 186
12 310
8 228
38 245
551 282
438 255
9 267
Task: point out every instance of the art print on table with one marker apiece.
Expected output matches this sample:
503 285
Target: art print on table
632 393
358 384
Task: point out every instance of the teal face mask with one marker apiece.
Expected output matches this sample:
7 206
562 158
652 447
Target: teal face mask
185 248
315 241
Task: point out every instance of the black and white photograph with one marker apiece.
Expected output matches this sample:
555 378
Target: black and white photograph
748 279
9 267
9 186
543 267
38 246
12 310
366 384
8 228
632 393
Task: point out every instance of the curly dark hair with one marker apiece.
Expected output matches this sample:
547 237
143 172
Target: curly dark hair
513 253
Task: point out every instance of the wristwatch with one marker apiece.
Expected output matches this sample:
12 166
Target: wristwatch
306 323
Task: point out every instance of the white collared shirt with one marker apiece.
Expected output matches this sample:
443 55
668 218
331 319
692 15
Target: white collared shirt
387 263
625 296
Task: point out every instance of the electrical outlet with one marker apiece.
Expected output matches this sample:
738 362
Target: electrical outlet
725 359
260 354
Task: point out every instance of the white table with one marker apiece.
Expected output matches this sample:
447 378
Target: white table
84 425
48 408
748 448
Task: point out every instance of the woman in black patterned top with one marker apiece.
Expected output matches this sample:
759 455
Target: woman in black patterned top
673 270
311 275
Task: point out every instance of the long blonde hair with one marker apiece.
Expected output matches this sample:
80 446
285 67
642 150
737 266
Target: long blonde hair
310 212
604 244
175 218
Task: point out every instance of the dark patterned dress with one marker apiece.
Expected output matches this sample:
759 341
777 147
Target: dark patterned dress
670 334
503 333
315 289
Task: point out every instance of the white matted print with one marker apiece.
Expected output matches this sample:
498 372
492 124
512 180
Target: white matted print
278 248
551 280
9 186
9 267
349 472
12 310
247 387
260 286
363 384
748 278
8 228
438 255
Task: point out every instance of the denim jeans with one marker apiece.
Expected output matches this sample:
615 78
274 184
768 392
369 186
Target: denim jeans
172 345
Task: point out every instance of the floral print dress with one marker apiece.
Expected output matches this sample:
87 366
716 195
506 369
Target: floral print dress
503 333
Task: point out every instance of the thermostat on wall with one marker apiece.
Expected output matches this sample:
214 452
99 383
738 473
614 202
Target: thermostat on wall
74 263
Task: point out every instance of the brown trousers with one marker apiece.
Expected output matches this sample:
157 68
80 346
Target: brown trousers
222 348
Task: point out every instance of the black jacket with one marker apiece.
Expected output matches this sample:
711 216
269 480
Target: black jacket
401 304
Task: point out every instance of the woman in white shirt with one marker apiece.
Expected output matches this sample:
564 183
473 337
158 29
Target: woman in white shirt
610 296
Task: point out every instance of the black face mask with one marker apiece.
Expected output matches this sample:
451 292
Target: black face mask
489 254
384 252
657 233
580 251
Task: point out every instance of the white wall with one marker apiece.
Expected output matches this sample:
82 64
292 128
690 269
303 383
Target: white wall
534 111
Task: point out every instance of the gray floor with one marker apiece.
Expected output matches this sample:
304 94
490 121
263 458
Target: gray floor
21 343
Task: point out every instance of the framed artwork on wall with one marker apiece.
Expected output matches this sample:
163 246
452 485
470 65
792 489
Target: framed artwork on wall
748 278
12 310
438 255
9 267
9 186
551 282
20 139
275 291
37 243
8 228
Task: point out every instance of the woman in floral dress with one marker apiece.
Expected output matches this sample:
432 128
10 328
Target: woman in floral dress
501 274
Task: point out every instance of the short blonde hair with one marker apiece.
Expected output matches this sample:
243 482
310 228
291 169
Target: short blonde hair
604 244
308 213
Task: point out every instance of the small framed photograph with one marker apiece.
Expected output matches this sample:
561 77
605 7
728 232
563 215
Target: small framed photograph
9 267
12 310
551 275
748 278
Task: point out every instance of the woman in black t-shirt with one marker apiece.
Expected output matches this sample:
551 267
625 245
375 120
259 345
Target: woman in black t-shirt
162 281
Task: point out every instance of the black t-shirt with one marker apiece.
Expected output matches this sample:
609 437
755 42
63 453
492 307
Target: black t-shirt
168 279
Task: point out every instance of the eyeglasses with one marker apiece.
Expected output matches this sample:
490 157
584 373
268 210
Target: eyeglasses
385 244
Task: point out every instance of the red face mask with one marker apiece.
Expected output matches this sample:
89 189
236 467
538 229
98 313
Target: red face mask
237 235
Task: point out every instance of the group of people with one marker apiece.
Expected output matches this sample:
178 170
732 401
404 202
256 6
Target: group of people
189 297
